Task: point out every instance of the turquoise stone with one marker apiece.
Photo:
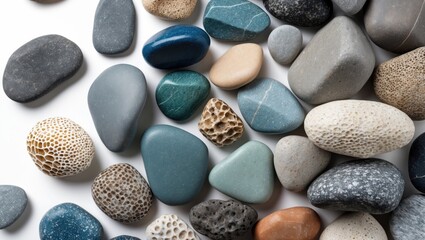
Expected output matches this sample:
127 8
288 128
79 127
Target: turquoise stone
270 107
247 174
180 93
234 20
176 163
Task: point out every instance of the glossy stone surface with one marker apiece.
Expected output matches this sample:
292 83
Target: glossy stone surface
285 43
13 201
350 7
114 26
176 163
269 107
176 47
247 174
116 100
39 66
417 163
125 237
68 221
170 226
371 185
179 94
407 221
234 20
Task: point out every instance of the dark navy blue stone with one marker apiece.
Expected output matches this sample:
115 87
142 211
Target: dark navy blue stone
417 163
176 163
125 237
177 46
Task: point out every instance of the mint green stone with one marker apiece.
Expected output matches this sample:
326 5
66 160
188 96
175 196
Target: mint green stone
247 174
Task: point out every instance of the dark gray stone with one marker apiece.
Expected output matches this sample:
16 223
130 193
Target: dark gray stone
407 221
39 66
220 220
370 185
114 25
13 201
125 237
417 163
303 13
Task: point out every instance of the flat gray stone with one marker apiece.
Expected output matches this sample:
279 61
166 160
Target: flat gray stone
407 221
284 43
350 7
13 201
335 65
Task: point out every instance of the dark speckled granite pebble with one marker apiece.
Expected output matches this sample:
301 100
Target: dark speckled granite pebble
417 163
221 220
13 201
407 221
125 237
370 185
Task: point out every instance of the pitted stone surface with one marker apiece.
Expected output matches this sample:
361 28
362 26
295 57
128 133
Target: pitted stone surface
170 227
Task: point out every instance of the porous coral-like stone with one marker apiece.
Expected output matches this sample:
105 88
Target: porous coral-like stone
122 193
400 82
170 227
220 124
170 9
60 147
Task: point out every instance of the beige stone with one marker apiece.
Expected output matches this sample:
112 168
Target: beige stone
170 227
170 9
400 82
237 67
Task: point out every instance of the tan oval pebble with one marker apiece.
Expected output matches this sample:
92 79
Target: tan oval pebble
358 128
170 9
297 223
400 82
220 124
237 67
354 226
170 227
122 193
59 147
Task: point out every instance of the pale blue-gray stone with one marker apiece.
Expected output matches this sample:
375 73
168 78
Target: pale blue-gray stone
407 221
284 43
13 201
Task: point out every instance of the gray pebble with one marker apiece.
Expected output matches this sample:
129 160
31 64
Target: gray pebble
284 43
13 201
350 7
407 221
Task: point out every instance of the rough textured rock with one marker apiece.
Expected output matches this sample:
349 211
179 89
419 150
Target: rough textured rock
125 237
358 128
220 124
371 185
170 9
417 163
349 63
59 147
170 227
13 201
407 221
350 7
284 43
122 193
400 82
220 220
39 66
300 223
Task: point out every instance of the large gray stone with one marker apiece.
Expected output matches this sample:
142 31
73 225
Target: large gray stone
407 221
13 201
335 65
350 7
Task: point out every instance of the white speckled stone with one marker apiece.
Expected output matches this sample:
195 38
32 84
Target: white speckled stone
350 7
284 43
407 221
170 227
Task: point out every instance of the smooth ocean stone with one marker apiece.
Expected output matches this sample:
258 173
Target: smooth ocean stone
269 107
284 43
170 10
358 128
371 185
68 221
247 174
13 201
417 163
234 20
179 94
219 219
349 63
125 237
176 163
39 66
170 226
116 100
350 7
401 32
407 221
303 13
176 47
298 162
114 26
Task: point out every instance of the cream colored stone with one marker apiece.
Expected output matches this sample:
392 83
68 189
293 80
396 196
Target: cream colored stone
170 9
358 128
237 67
170 227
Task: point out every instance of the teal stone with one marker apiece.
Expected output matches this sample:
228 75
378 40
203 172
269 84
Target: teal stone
270 107
179 94
247 174
234 20
176 163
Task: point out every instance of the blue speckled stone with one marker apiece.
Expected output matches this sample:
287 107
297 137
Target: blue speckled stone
125 237
417 163
176 47
180 93
68 221
13 201
234 20
268 106
247 174
407 222
176 163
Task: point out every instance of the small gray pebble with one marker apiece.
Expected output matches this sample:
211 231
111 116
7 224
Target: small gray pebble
284 43
13 201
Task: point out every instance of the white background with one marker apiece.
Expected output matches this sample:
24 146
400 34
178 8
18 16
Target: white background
23 20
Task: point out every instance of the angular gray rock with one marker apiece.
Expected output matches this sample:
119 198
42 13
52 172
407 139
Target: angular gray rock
407 221
350 7
284 43
13 201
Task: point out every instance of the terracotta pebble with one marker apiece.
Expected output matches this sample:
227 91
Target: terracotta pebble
170 9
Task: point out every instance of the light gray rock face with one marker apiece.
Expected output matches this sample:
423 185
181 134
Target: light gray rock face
335 65
401 32
350 7
13 201
407 221
284 43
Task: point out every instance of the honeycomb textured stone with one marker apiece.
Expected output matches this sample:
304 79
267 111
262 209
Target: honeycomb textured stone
400 82
170 9
122 193
60 147
170 227
220 124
